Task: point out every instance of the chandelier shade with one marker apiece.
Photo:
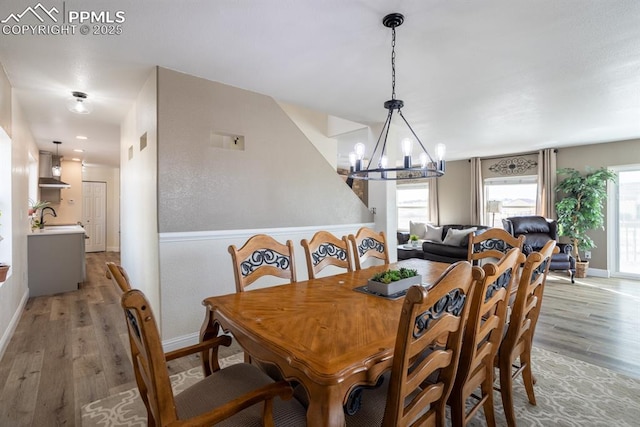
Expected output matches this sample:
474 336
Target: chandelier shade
377 167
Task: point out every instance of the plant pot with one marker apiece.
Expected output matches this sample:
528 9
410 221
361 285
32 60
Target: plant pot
4 269
581 269
394 287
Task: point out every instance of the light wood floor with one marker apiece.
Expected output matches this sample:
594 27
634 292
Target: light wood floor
71 349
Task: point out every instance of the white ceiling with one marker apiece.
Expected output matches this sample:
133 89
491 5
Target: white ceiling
484 77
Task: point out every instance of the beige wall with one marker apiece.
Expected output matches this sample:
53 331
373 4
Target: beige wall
454 188
14 291
454 191
314 126
111 176
595 156
139 207
280 179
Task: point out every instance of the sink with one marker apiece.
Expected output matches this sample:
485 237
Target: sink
51 229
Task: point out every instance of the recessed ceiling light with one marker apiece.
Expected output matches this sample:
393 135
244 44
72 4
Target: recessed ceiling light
75 159
81 137
77 150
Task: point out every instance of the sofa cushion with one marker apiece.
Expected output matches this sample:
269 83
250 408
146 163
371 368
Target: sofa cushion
457 237
433 233
529 224
537 240
418 228
444 251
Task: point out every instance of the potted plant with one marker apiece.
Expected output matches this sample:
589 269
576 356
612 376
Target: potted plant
390 282
414 240
581 208
33 212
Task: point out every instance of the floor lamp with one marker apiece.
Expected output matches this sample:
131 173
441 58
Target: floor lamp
494 207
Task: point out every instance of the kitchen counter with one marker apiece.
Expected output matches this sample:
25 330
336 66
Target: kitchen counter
56 259
58 229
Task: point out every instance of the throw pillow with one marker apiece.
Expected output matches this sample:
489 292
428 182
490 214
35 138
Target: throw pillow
455 237
418 228
433 233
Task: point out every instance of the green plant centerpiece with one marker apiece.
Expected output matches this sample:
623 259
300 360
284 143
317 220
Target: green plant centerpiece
581 207
413 239
391 282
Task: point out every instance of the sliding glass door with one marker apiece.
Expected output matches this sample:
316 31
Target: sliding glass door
624 223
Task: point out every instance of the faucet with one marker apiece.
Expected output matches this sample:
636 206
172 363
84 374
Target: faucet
53 212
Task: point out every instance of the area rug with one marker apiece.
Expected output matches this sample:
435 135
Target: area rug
569 393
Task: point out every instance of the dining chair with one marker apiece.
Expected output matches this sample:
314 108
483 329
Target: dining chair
118 276
239 395
367 243
482 336
324 250
518 340
490 245
261 256
427 346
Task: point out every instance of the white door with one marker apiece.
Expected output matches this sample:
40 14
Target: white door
94 213
624 222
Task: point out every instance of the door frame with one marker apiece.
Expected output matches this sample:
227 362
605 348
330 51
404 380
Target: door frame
613 225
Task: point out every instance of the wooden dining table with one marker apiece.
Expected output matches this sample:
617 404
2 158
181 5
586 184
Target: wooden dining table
321 333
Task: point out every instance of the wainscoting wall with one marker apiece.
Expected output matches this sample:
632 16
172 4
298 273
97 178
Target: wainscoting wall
196 265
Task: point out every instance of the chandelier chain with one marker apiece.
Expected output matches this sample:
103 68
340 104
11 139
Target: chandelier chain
393 63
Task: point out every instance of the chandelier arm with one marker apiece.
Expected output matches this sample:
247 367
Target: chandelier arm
415 136
386 125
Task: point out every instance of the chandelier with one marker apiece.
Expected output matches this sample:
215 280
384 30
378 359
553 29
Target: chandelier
377 167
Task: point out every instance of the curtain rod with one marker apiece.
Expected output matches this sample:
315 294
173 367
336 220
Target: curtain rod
555 150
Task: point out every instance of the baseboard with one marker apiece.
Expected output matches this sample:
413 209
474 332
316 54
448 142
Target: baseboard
6 338
597 272
113 248
182 341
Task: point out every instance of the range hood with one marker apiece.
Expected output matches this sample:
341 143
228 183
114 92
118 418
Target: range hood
47 179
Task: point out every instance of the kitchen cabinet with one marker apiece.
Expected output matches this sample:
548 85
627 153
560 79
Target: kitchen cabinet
56 260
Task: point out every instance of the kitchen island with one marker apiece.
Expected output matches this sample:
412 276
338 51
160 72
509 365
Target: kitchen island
56 259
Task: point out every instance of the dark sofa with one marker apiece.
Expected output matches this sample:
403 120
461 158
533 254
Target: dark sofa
437 251
538 231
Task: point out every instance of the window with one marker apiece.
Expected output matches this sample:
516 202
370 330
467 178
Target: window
412 202
506 197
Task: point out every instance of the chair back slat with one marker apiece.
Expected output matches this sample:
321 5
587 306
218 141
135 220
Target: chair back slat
367 243
261 256
324 250
491 245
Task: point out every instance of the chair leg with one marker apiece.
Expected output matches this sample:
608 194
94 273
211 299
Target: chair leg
457 406
573 275
506 392
487 390
527 375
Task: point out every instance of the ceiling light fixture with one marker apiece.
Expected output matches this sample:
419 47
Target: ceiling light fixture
428 167
56 169
82 137
78 103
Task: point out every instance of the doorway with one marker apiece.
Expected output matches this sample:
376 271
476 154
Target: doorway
94 214
624 223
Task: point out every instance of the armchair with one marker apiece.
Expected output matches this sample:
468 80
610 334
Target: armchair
538 231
